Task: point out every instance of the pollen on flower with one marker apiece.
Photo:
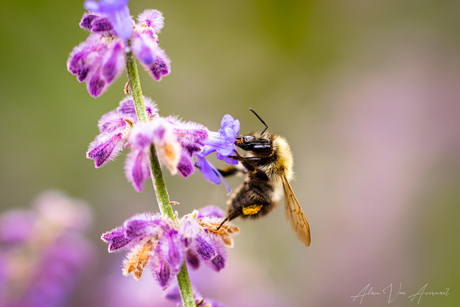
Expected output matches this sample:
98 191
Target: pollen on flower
225 232
129 125
171 157
137 260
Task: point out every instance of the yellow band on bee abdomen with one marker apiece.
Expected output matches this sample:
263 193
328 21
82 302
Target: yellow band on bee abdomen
252 209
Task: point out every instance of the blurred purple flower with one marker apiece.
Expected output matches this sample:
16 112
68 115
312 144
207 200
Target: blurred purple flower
16 226
153 241
49 254
100 60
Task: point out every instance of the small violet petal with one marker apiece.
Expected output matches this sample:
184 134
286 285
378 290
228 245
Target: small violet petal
144 48
210 211
87 20
101 24
113 62
161 67
116 239
105 148
203 248
208 170
137 168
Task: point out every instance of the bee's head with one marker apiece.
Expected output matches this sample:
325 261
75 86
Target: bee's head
255 142
258 142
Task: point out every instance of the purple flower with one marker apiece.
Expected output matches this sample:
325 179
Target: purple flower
117 13
137 168
159 132
115 127
153 242
151 19
223 141
210 211
49 254
181 146
100 60
16 226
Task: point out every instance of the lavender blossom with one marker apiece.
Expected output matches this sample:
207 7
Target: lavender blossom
153 241
178 144
117 13
43 252
223 141
115 127
100 60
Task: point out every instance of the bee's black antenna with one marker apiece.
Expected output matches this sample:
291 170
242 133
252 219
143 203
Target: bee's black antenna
266 127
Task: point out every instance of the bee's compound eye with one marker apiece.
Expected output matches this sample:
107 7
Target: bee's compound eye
248 138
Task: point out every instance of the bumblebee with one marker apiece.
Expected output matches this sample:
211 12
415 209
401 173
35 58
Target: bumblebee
268 165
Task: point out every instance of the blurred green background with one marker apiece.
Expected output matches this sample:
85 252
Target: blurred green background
366 92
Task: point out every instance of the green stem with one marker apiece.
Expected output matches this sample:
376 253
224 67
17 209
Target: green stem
157 175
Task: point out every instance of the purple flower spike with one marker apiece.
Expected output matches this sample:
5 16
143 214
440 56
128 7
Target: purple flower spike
117 12
155 243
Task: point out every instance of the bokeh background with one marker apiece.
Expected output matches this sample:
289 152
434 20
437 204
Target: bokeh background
366 92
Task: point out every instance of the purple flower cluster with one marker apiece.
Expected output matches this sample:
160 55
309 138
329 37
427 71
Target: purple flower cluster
154 241
177 143
100 59
43 252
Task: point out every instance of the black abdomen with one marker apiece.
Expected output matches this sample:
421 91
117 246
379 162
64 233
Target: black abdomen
254 199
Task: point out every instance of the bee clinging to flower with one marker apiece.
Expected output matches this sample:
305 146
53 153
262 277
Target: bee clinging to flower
268 164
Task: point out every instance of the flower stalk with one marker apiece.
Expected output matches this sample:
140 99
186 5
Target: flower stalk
157 175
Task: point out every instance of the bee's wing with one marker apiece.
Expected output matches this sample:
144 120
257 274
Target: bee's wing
294 214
